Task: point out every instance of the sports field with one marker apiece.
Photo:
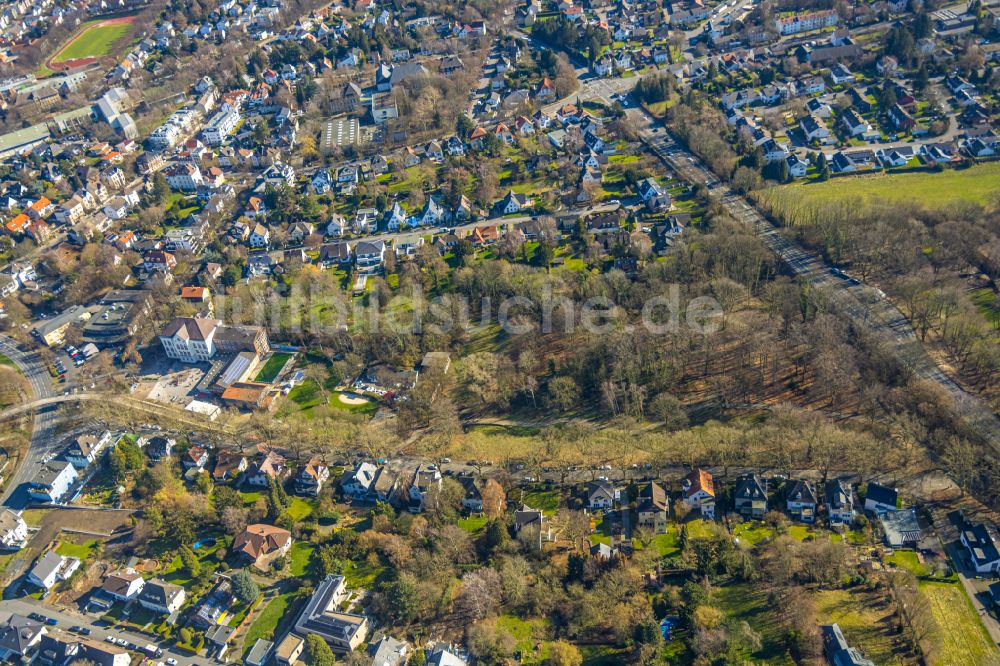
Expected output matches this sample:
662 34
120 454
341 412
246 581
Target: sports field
977 184
94 40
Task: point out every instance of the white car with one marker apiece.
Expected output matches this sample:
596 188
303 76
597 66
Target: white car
171 662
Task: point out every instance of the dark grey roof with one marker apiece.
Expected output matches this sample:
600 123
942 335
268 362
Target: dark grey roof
802 491
881 494
838 495
17 633
750 486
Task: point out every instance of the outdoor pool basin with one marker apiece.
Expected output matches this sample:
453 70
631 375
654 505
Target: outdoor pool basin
203 543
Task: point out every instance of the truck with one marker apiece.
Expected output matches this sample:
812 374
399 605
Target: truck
153 651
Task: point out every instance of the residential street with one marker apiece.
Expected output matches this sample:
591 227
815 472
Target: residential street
67 619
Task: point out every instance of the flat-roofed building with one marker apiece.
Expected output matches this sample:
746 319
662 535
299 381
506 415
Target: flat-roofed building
344 632
120 314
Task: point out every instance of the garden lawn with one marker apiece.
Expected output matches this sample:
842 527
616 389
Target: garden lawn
266 624
752 533
360 575
94 41
698 529
4 360
977 184
528 633
298 558
962 639
667 544
908 560
78 550
299 509
273 367
473 524
546 501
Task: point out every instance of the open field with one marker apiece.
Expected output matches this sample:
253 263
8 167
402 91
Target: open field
95 40
978 184
963 640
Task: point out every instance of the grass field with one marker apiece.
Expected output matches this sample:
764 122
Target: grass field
528 634
864 624
79 550
298 558
273 367
963 640
746 602
95 41
908 560
267 622
473 524
977 184
546 501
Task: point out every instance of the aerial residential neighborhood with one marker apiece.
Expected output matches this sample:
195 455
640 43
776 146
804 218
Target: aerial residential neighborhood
568 333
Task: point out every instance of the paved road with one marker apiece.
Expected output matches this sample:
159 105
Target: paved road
43 437
864 304
69 618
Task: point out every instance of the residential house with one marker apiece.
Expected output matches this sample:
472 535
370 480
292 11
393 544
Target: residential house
980 540
310 478
195 457
18 636
473 498
229 464
84 449
750 496
698 492
161 597
654 195
160 447
271 465
839 503
801 501
52 568
357 483
879 498
52 481
334 254
13 530
123 584
261 544
532 527
369 254
652 508
602 495
260 237
514 203
424 479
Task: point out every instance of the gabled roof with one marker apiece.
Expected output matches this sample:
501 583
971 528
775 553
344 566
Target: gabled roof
750 486
802 491
699 479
